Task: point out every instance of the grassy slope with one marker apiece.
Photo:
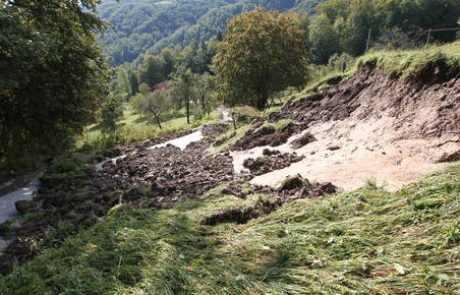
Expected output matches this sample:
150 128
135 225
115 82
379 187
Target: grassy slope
363 242
407 63
135 127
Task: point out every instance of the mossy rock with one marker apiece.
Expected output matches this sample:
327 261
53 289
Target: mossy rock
25 206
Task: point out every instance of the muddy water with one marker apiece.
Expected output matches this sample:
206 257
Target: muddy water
181 142
7 205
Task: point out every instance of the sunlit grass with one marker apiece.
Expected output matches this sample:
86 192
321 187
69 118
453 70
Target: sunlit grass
134 127
364 242
408 63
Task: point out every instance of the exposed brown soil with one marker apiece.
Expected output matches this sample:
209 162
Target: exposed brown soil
264 136
302 141
271 161
423 110
373 126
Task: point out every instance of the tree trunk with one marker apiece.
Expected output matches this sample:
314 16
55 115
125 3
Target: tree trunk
262 97
202 103
157 118
262 102
187 106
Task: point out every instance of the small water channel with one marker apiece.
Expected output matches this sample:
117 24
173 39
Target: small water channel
7 205
180 142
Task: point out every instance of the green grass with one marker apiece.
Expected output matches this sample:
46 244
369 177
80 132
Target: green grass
364 242
134 127
404 64
229 138
409 63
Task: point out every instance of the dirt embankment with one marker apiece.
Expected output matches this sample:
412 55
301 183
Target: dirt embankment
372 126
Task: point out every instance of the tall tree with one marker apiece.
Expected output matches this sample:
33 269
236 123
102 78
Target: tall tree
262 52
52 74
183 89
155 103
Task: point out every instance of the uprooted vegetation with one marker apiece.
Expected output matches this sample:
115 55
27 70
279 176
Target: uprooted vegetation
367 241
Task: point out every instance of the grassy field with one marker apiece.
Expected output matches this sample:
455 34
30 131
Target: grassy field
364 242
134 127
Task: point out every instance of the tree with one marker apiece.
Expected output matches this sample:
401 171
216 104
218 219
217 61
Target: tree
205 92
152 70
111 112
52 75
262 53
126 81
323 39
183 89
156 103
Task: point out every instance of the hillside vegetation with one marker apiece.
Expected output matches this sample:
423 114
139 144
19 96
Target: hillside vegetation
367 241
141 27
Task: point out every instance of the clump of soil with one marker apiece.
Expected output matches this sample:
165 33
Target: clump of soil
264 136
303 141
271 161
234 189
292 189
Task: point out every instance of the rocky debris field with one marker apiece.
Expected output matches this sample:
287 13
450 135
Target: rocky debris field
74 196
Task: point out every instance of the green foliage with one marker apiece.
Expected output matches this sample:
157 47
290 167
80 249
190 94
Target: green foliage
111 112
52 75
393 23
183 90
323 39
263 52
149 26
127 81
155 103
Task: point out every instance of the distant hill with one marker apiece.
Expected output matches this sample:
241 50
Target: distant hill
141 26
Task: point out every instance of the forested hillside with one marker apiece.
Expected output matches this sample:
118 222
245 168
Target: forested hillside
151 25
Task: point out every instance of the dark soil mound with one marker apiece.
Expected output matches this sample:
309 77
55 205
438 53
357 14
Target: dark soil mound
265 136
270 161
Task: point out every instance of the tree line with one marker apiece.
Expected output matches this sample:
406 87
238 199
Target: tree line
54 78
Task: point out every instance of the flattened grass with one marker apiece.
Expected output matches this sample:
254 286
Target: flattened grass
364 242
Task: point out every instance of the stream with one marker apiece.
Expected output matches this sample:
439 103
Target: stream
7 202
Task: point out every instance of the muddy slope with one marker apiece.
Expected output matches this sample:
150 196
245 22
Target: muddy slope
372 126
420 110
